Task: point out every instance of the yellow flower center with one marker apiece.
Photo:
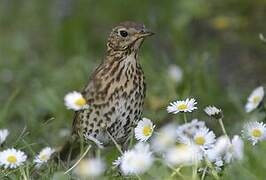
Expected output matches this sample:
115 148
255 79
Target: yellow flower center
140 162
200 140
80 102
43 157
147 131
82 168
182 147
256 133
12 159
182 107
221 22
256 99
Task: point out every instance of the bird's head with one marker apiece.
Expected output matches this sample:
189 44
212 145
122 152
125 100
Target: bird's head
127 36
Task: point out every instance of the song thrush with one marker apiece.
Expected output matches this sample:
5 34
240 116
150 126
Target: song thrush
116 89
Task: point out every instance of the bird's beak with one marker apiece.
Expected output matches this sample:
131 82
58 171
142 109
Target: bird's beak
145 33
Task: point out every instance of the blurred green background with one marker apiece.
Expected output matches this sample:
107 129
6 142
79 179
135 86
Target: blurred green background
49 48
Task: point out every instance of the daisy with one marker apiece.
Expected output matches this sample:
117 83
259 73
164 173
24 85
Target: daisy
219 148
175 73
218 164
3 134
188 130
235 151
183 154
204 138
94 140
144 129
90 167
187 105
214 112
142 147
75 101
117 162
136 161
12 158
165 138
254 131
254 99
44 156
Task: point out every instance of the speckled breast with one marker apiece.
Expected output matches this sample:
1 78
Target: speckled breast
117 103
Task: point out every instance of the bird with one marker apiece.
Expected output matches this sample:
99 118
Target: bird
116 89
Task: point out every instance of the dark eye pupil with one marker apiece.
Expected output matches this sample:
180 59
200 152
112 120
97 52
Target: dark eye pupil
123 33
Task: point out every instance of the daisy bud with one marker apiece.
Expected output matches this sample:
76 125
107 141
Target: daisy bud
214 112
3 135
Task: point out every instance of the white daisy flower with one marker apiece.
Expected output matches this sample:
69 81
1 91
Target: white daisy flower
75 101
182 154
136 161
235 151
175 73
94 140
219 148
254 99
12 158
90 167
144 129
44 156
254 131
226 150
218 164
187 105
117 162
204 138
214 112
142 147
187 131
165 138
3 135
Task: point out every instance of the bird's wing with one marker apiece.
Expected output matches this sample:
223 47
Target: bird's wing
89 92
94 89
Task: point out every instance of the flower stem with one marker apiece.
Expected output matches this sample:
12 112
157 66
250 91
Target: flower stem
98 152
114 141
131 138
222 126
214 173
185 117
195 168
139 178
23 173
204 173
83 155
176 172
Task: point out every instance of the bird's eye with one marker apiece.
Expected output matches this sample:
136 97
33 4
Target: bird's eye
123 33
